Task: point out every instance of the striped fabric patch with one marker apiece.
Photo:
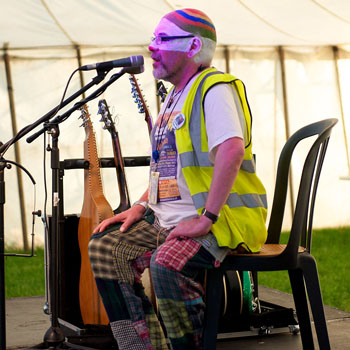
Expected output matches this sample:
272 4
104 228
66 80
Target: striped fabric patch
193 21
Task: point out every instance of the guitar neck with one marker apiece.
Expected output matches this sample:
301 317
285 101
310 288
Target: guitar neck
149 124
119 165
118 158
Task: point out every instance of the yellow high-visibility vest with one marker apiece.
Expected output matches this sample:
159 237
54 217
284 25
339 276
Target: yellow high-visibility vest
242 218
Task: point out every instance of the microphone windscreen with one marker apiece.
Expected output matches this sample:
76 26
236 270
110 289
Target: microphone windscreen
137 61
135 70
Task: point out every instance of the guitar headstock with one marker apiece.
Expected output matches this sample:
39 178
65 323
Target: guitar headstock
137 95
140 100
84 115
106 117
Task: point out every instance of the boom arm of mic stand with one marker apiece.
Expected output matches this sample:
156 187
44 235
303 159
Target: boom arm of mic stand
77 105
96 80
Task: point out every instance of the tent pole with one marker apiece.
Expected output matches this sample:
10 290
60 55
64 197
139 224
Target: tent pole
286 119
227 59
77 49
16 146
337 76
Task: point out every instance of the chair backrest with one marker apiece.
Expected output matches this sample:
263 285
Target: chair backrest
303 212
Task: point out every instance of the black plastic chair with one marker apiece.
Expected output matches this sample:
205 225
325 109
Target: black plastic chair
294 256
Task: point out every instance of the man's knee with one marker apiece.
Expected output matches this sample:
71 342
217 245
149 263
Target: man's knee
174 254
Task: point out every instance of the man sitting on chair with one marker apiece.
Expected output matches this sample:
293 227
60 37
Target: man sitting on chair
204 195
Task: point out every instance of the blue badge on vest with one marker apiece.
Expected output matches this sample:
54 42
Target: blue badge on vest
178 121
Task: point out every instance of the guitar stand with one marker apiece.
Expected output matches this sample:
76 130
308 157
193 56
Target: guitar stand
54 337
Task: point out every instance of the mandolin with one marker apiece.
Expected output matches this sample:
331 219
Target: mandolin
118 159
95 209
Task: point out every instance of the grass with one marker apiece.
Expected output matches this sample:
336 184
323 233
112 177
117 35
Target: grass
330 249
25 276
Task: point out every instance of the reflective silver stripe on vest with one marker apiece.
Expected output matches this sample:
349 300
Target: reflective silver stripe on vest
195 122
249 200
248 165
190 159
202 160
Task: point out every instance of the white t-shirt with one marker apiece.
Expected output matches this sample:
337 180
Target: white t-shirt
222 122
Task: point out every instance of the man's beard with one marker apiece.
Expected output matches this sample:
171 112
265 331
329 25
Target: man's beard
163 73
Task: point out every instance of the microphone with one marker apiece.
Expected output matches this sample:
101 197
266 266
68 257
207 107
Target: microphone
133 61
134 70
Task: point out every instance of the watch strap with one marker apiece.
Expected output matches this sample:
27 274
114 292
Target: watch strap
143 203
214 218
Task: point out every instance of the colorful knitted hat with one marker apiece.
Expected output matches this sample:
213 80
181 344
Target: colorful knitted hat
193 21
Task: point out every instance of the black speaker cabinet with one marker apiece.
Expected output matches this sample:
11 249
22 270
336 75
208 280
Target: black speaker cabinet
69 271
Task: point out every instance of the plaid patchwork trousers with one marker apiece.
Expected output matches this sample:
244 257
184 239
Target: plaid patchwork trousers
177 268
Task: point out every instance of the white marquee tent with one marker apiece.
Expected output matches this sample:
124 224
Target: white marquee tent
297 49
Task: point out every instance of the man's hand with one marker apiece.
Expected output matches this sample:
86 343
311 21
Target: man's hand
128 217
196 227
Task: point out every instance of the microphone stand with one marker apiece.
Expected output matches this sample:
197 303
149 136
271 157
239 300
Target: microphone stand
54 334
54 337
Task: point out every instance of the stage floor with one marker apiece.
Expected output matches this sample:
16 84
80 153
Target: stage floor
26 324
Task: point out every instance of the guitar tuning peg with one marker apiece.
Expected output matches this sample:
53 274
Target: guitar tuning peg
140 107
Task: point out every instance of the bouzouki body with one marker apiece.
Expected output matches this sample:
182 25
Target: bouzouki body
95 209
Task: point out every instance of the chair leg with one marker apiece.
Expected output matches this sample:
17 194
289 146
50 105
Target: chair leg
301 306
213 304
308 265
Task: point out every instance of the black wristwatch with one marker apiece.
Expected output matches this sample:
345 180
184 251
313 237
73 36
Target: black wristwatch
209 215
